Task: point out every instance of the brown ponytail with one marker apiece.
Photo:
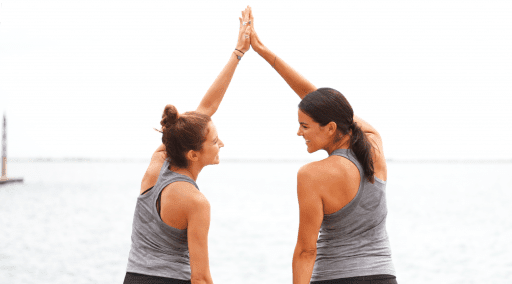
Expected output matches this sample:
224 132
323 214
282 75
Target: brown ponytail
363 150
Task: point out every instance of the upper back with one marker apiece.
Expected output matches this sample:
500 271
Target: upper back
353 239
146 210
156 245
342 175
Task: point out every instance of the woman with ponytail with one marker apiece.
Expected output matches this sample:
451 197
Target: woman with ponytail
342 229
172 217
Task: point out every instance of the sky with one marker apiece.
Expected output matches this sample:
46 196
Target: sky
90 79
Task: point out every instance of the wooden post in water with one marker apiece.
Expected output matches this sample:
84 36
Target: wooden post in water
4 178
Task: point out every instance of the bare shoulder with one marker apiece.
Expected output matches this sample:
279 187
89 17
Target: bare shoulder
180 202
186 190
308 170
327 167
316 173
186 194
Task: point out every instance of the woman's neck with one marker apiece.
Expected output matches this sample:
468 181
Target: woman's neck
192 171
344 143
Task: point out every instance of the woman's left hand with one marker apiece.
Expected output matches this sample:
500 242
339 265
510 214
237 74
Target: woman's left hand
244 34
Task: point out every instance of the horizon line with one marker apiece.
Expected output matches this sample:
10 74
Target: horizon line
246 160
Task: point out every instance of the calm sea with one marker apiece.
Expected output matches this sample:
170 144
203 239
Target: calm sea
70 222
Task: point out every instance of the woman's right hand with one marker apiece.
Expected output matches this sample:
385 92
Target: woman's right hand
244 40
255 40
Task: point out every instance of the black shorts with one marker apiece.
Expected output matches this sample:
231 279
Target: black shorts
136 278
370 279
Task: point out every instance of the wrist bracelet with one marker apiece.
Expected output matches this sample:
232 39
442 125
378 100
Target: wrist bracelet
239 50
237 56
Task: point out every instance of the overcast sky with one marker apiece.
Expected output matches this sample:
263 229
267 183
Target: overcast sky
91 78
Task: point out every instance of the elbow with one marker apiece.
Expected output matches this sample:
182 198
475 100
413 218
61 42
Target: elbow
306 253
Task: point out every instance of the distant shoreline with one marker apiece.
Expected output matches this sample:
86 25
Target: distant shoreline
227 160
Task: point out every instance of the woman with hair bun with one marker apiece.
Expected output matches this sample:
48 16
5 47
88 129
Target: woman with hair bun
342 234
172 217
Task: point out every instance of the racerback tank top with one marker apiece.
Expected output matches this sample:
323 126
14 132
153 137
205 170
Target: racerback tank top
157 248
353 241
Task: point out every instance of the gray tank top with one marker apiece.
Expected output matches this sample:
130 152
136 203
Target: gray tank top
353 240
157 248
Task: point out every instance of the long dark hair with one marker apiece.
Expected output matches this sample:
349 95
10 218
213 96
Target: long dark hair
182 133
325 105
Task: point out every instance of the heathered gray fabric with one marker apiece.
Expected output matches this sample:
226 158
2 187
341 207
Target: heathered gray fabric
353 241
157 248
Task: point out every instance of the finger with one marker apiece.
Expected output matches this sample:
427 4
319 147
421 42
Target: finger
244 18
246 15
240 22
251 17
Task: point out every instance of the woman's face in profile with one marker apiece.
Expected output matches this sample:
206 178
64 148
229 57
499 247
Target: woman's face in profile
312 133
211 147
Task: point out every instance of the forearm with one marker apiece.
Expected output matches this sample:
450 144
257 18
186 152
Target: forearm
211 100
302 265
300 85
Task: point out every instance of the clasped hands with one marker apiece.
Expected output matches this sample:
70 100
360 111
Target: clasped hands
247 36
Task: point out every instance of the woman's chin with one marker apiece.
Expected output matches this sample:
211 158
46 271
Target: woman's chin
311 150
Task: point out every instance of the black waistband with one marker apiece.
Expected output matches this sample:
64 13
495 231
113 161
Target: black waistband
136 278
369 279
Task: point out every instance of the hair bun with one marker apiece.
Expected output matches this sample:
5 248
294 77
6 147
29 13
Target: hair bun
170 116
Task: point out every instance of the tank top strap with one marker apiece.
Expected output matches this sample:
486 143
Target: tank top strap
349 154
167 177
352 205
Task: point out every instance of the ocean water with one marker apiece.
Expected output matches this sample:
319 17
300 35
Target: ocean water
70 222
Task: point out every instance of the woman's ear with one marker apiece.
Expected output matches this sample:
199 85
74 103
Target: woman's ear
193 156
331 128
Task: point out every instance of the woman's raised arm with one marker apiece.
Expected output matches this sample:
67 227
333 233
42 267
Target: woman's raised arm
300 85
211 100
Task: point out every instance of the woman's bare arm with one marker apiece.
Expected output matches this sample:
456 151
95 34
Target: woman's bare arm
198 224
310 220
213 97
300 85
210 102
